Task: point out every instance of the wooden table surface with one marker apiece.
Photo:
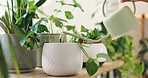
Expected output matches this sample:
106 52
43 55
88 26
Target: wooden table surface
38 73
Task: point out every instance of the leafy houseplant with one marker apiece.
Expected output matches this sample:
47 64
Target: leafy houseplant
17 24
92 65
122 48
111 24
91 48
59 57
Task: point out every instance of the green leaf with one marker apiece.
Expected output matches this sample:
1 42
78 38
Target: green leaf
51 17
21 34
56 10
83 29
42 28
13 53
59 24
44 19
76 4
142 52
3 65
69 27
61 2
34 28
24 38
55 19
103 55
92 66
139 68
3 26
68 15
6 23
39 3
143 44
7 18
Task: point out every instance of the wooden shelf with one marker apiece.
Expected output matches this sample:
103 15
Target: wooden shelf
38 73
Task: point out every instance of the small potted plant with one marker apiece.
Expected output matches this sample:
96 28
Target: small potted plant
91 48
50 60
65 56
62 59
20 38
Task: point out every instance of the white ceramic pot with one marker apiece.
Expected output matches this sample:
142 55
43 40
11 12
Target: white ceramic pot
93 50
45 38
61 59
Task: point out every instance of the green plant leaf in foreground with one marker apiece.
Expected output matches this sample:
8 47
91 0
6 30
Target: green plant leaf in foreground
55 19
3 26
59 24
103 55
3 65
39 3
92 66
14 56
69 27
42 28
68 15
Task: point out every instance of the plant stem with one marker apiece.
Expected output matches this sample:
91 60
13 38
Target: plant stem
9 20
85 38
51 22
83 50
13 53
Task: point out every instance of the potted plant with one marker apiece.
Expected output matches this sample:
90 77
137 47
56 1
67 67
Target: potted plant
20 34
57 57
91 48
45 38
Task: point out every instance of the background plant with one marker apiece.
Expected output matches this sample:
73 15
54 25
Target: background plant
92 64
94 34
144 49
17 20
61 23
3 65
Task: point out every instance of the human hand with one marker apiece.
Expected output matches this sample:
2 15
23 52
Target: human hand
134 0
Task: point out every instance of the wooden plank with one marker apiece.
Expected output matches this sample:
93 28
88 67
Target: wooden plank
38 73
108 66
